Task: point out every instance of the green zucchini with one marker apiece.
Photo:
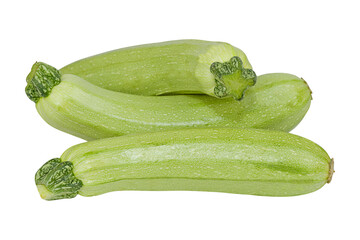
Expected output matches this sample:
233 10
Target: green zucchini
184 66
73 105
246 161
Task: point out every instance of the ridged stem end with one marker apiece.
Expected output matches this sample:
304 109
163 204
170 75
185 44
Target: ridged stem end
231 78
41 80
56 180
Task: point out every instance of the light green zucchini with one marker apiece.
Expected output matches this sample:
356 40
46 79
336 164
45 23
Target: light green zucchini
246 161
73 105
184 66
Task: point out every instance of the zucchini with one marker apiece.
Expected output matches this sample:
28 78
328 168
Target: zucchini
184 66
246 161
73 105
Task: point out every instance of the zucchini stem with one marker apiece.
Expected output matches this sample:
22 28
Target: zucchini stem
232 78
41 80
56 180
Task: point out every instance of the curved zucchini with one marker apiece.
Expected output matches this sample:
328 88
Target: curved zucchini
73 105
183 66
246 161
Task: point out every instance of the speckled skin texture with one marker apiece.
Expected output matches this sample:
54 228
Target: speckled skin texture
172 67
246 161
278 101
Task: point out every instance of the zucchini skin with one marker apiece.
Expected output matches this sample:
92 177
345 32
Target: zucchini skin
243 161
172 67
279 102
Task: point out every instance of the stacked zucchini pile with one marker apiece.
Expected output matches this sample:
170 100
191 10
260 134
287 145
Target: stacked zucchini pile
178 115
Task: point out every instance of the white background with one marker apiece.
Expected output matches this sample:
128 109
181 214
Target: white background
316 40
